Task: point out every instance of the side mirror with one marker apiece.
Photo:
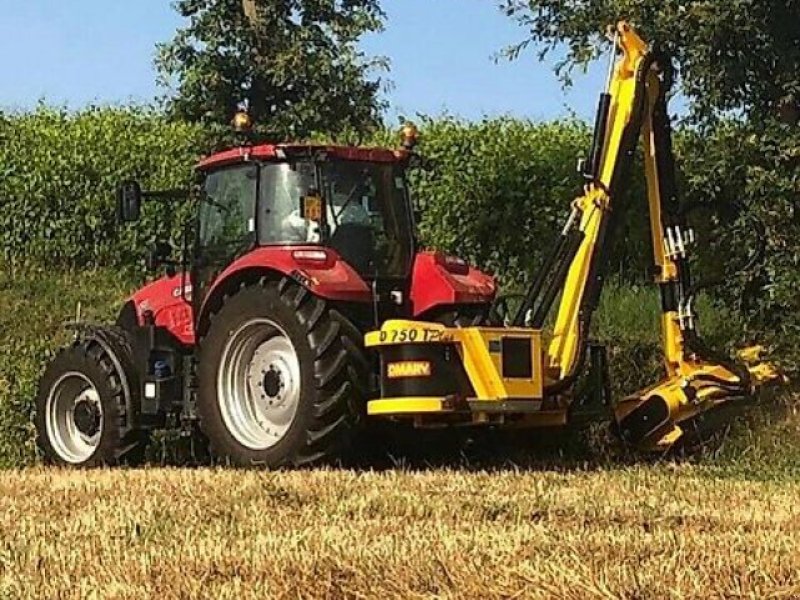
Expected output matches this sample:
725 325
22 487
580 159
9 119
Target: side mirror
129 202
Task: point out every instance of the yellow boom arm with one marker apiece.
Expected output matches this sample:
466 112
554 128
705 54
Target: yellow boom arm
595 206
696 380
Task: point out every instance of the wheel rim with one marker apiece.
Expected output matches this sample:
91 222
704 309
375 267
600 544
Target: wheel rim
258 384
74 417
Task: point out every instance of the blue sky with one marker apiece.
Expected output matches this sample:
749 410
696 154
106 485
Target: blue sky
442 55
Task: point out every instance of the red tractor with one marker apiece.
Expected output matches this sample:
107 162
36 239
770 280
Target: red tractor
256 334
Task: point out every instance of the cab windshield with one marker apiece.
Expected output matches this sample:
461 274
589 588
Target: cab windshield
368 215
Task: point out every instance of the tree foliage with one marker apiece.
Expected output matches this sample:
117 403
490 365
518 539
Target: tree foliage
735 57
748 181
294 63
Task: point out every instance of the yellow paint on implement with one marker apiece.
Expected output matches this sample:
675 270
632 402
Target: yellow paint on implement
400 331
406 406
595 204
695 382
484 366
480 351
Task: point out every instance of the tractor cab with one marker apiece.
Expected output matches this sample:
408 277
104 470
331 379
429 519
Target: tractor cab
353 201
338 220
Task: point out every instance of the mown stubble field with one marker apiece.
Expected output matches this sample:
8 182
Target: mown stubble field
659 531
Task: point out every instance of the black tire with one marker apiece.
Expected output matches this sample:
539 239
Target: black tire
333 375
118 442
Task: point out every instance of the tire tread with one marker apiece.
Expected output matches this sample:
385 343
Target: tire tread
339 366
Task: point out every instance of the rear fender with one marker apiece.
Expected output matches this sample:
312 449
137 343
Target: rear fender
321 270
439 280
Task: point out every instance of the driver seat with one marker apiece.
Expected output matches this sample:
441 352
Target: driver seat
355 242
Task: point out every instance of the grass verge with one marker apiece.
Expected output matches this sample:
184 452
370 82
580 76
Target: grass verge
662 531
33 308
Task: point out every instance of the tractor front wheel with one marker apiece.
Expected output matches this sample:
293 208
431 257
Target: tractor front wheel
281 378
80 411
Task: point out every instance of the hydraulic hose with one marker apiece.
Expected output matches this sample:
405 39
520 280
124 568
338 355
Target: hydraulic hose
592 169
536 286
572 245
556 256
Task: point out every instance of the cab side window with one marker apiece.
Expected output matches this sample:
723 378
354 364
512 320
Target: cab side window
227 214
282 187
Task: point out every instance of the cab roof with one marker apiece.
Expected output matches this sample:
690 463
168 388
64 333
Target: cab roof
267 152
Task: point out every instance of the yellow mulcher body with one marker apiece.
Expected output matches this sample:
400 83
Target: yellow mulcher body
518 375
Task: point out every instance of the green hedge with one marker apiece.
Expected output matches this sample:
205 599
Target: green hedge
34 304
496 191
746 181
60 171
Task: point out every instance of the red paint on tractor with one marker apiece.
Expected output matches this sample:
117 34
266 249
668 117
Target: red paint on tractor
164 300
329 276
439 280
274 152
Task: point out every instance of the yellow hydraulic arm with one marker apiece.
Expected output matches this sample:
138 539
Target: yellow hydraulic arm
633 109
617 119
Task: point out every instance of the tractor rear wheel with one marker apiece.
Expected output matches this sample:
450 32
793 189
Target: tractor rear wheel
80 411
281 378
